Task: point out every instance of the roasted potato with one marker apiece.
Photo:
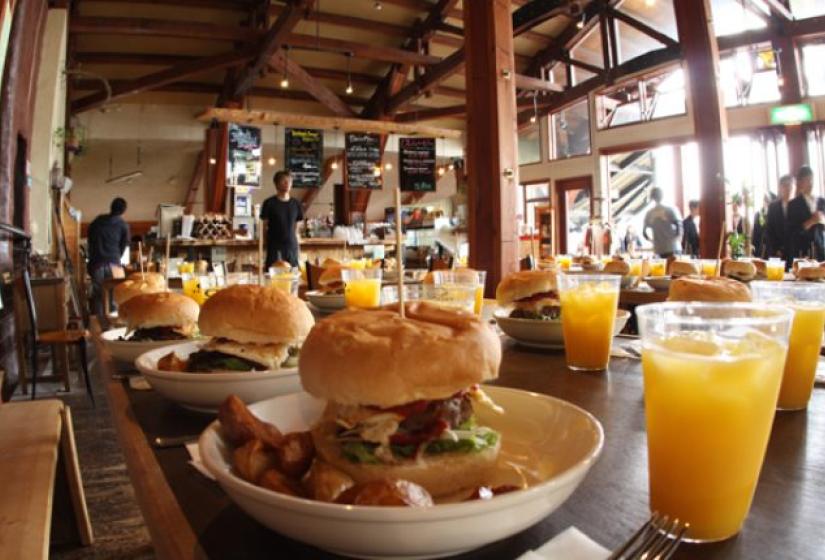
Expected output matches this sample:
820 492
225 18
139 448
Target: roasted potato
171 362
386 493
324 482
239 425
253 459
295 453
278 482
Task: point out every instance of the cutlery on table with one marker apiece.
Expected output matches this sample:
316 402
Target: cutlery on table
653 540
177 441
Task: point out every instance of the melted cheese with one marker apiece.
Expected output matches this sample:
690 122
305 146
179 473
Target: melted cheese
270 355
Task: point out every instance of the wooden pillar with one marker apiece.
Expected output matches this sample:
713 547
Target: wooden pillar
791 91
492 154
693 20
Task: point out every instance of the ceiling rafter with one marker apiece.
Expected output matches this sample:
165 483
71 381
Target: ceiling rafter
312 86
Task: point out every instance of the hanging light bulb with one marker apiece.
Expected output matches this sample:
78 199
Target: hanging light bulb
212 161
377 171
451 167
535 116
582 21
272 161
349 89
388 166
334 165
285 77
440 171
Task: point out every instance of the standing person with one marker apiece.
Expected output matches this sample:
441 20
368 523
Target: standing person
776 231
282 213
663 226
759 234
690 239
108 238
631 244
806 218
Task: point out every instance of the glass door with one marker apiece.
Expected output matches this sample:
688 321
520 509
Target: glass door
574 197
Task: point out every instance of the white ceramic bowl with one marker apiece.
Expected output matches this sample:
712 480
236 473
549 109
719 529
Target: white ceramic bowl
326 302
546 334
558 441
658 283
204 392
126 351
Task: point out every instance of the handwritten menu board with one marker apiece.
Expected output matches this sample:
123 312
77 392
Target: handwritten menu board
243 160
363 152
304 155
416 166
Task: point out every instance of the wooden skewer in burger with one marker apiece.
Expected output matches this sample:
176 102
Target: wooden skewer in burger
401 395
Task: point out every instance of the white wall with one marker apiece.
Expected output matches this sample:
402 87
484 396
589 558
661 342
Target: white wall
49 115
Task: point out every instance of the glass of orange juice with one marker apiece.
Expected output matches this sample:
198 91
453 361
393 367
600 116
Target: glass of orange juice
658 267
564 261
588 312
464 277
807 300
286 281
709 267
362 287
712 373
775 270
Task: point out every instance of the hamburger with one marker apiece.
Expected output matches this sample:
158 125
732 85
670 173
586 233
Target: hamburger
683 268
802 263
708 289
810 274
761 269
617 266
252 328
136 284
396 412
330 281
744 271
160 316
532 294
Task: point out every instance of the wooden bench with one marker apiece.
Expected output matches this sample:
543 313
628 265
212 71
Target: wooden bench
38 467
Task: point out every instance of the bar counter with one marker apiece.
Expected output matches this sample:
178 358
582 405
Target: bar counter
189 516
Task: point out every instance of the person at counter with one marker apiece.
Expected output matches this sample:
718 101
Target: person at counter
281 213
108 238
806 218
663 226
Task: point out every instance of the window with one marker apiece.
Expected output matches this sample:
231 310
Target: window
767 153
816 155
807 8
529 145
736 16
813 71
570 131
653 97
531 197
749 77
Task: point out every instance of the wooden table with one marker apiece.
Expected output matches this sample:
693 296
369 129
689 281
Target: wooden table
189 516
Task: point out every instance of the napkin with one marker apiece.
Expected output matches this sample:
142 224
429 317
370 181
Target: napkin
195 460
627 348
570 544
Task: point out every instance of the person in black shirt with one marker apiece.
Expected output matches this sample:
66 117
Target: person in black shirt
777 239
806 218
108 238
690 237
281 214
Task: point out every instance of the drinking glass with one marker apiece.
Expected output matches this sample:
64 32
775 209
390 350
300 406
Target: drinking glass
775 270
807 300
285 281
712 373
709 267
635 267
464 277
658 267
564 261
362 287
588 312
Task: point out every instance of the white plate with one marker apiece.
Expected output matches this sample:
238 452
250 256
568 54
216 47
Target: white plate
126 351
544 334
204 392
658 283
326 302
555 442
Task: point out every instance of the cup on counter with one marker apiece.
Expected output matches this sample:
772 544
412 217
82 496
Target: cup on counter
712 373
462 278
362 287
564 261
708 267
807 300
658 267
285 280
588 312
775 270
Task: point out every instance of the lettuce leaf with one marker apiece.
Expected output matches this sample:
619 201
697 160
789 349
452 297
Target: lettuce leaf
364 452
477 442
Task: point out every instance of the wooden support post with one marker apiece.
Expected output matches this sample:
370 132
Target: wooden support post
693 19
791 93
492 159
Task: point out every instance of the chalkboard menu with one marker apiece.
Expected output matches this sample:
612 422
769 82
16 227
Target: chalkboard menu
363 152
416 166
243 161
304 155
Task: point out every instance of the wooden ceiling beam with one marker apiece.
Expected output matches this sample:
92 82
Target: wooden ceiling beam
312 86
780 11
642 27
451 111
349 22
537 12
286 21
169 75
429 80
326 123
536 84
131 59
233 5
361 50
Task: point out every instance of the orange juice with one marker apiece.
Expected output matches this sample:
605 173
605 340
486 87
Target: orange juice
709 267
658 267
364 293
190 287
564 261
635 267
479 302
709 405
803 355
775 271
588 312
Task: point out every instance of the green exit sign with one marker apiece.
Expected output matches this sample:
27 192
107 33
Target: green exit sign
792 114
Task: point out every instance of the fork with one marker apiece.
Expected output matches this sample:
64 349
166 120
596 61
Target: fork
653 540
